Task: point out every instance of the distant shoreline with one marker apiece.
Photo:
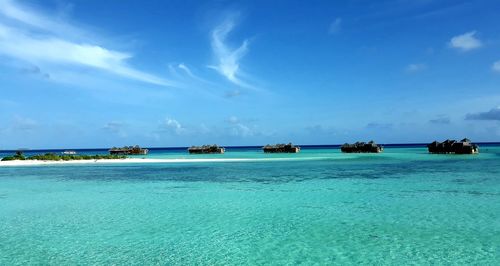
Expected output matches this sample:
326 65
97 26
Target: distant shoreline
315 146
138 160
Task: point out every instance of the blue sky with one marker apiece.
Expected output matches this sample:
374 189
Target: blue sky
85 74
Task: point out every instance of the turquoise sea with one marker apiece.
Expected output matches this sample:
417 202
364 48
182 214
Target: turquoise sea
318 207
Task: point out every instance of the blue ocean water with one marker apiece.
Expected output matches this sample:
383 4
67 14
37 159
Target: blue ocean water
320 206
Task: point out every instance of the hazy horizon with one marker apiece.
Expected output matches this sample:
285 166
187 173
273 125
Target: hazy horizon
234 146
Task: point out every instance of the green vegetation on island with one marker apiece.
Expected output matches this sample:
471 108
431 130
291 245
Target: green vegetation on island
206 149
362 147
18 156
55 157
281 148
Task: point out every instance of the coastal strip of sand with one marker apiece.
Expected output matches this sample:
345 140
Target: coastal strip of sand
115 161
142 160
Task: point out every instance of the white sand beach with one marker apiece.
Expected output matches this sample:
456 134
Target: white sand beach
116 161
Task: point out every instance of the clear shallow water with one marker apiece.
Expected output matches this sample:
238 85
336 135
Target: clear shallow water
317 207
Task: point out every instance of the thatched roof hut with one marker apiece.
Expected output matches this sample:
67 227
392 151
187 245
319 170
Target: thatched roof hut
464 146
128 150
206 149
281 148
362 147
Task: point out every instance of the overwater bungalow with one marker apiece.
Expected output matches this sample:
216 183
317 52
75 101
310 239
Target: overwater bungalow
362 147
281 148
206 149
69 152
451 146
128 150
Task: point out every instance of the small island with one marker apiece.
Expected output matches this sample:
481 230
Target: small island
128 150
362 147
281 148
454 147
19 156
206 149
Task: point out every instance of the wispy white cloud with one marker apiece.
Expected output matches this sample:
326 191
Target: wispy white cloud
28 16
228 60
233 120
38 39
412 68
466 41
183 67
241 130
186 69
496 66
335 26
171 125
238 128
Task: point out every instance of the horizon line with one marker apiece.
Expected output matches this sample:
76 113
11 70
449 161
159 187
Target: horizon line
239 146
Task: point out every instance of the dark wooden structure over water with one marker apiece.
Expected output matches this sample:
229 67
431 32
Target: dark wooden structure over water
362 147
206 149
281 148
128 150
451 146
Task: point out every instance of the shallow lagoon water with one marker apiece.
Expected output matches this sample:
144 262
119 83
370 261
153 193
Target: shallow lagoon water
316 207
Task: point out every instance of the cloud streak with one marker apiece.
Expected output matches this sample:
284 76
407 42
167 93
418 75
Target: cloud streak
228 60
335 26
466 42
496 66
171 125
22 14
40 40
493 114
413 68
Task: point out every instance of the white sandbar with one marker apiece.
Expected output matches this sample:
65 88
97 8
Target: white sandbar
128 160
